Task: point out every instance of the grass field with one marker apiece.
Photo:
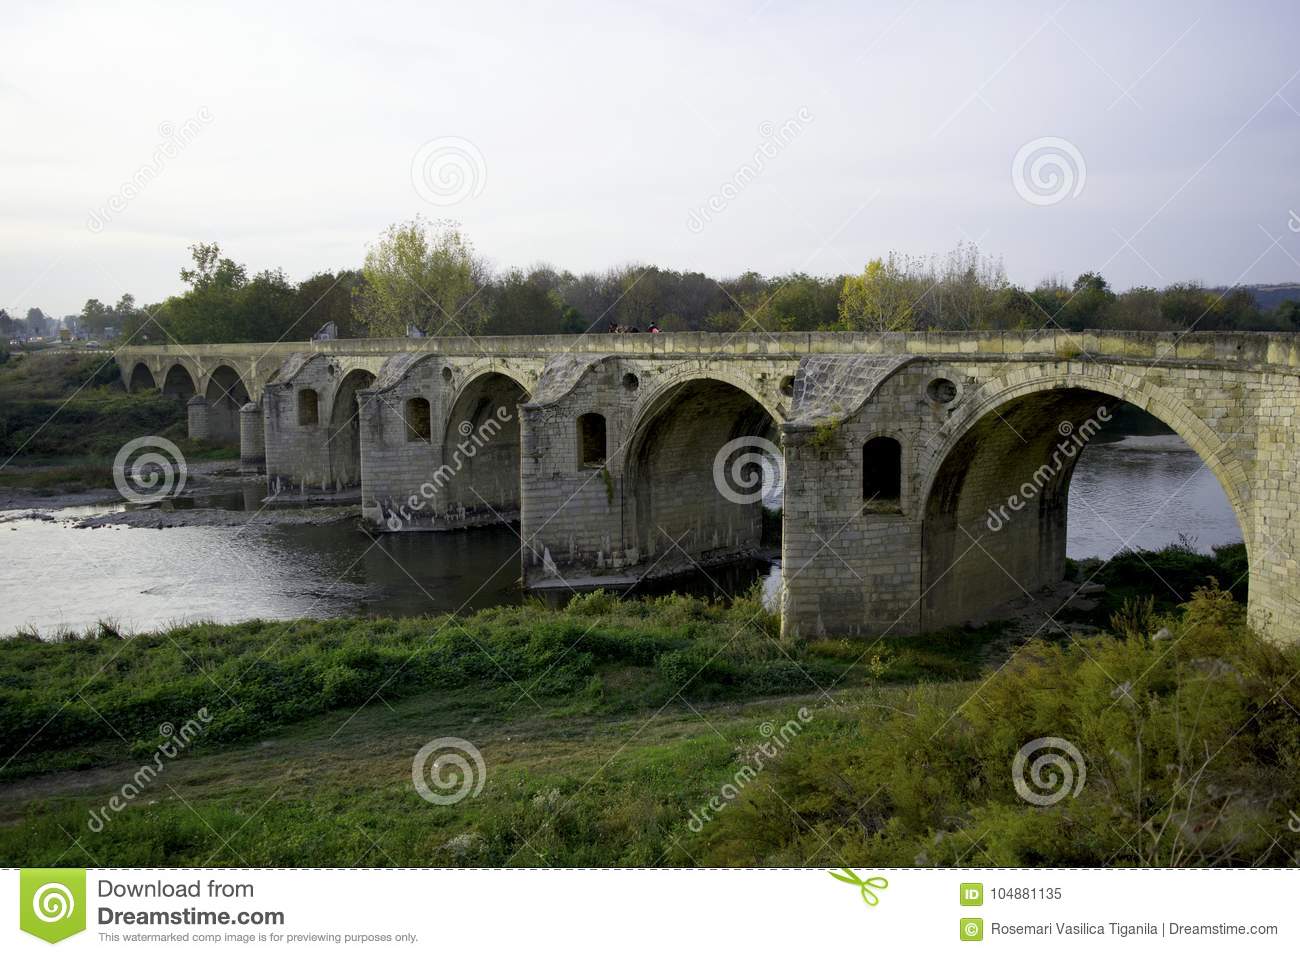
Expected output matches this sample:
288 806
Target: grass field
63 417
665 731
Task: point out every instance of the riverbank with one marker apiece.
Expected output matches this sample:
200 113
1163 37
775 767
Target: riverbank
608 729
64 416
52 488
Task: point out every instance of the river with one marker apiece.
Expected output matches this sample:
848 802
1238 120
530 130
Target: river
1143 491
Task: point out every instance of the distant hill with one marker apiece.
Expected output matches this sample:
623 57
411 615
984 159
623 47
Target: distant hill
1270 296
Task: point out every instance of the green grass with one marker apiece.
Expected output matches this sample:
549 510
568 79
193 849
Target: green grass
572 791
637 714
1164 578
63 418
80 697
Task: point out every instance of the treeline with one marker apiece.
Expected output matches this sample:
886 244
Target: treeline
35 323
425 278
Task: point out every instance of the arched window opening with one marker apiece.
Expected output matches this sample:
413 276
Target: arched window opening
882 474
591 440
308 407
419 423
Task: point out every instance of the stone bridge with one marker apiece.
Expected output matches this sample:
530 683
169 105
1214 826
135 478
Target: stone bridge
925 475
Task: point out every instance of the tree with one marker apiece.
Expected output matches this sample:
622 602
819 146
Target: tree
1184 304
801 303
329 297
525 305
1234 309
95 317
264 308
1013 308
593 296
1288 314
1139 310
211 269
877 300
424 275
1088 303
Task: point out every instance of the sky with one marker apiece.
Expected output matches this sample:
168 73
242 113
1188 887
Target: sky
1153 142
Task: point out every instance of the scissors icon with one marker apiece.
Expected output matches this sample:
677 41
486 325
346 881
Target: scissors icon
865 886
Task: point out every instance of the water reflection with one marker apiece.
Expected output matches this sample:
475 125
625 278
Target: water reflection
1146 490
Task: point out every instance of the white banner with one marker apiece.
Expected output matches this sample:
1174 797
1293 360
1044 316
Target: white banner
654 912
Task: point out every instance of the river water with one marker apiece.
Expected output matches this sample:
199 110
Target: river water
1143 491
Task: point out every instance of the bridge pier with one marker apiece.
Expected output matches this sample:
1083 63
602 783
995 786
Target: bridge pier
621 478
252 438
312 425
440 445
196 416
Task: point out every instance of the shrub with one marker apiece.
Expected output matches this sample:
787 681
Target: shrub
1190 756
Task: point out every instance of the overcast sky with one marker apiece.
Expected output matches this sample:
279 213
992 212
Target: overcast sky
713 136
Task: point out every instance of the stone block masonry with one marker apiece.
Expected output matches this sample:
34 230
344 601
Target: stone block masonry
897 449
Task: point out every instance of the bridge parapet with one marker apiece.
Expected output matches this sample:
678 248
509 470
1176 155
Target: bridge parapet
1278 350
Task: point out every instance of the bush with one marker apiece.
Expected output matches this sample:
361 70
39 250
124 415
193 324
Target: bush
1190 755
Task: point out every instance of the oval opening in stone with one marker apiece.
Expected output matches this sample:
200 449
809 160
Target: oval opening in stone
942 391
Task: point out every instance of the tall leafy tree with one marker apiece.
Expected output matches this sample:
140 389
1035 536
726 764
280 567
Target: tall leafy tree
876 300
423 275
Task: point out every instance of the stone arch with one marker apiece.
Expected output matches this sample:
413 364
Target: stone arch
178 383
994 500
1157 401
141 378
473 381
226 395
694 471
344 441
480 444
666 388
